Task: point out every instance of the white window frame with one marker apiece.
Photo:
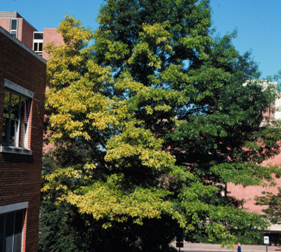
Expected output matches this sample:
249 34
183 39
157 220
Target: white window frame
37 41
11 28
15 148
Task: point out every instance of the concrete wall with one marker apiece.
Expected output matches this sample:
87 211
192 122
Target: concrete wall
277 107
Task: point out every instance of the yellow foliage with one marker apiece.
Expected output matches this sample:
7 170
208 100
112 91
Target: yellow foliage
81 110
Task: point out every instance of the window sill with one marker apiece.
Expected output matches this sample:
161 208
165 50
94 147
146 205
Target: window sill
15 150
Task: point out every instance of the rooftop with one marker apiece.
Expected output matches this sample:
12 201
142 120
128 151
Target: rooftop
7 34
9 14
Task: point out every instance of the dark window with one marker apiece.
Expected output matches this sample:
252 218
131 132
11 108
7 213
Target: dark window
16 114
14 33
11 227
38 35
35 46
14 24
40 47
9 232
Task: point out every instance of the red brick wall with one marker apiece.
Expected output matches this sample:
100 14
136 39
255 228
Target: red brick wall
51 35
5 23
248 193
269 112
27 33
24 232
25 30
20 175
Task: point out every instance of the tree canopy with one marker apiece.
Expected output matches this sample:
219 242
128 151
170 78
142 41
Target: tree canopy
273 202
153 120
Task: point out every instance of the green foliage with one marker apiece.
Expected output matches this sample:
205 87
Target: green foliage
152 121
273 203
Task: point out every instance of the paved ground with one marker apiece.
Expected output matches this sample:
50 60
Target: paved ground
202 247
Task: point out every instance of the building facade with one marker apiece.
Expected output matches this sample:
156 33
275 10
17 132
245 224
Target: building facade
22 96
18 27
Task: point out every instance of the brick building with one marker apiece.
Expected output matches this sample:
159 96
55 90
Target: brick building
249 193
18 27
25 32
22 96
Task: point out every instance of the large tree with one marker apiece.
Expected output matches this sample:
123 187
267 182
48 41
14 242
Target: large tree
161 116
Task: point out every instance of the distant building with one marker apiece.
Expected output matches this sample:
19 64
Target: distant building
22 97
248 194
18 27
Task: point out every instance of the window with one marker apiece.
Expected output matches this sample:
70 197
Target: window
38 35
38 47
11 230
15 119
14 27
38 42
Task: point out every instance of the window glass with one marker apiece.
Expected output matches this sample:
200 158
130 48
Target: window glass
6 117
5 130
13 135
23 110
15 101
19 222
16 114
9 232
35 46
14 33
40 47
11 229
17 243
14 24
38 35
23 121
9 244
9 224
6 103
18 231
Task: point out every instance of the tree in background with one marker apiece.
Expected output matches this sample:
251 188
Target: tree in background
274 205
273 211
150 124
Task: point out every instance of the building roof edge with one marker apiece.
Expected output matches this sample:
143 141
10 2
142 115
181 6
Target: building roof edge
7 34
10 14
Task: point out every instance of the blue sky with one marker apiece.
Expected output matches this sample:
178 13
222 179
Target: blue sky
257 22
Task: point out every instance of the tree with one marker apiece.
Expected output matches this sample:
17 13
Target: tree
83 119
274 205
166 115
273 210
